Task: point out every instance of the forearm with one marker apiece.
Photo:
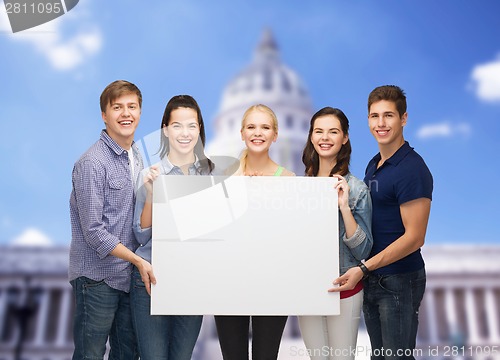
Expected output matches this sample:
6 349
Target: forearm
122 252
144 267
147 213
95 232
349 221
399 249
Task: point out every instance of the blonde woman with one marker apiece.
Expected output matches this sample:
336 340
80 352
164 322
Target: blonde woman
259 129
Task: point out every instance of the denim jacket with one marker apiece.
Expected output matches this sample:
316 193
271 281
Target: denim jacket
352 250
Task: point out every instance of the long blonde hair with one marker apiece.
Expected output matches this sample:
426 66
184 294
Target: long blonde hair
262 108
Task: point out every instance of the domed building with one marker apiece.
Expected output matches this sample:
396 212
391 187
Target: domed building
459 317
270 82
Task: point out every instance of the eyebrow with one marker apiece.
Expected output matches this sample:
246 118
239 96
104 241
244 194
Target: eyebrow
385 112
129 103
334 128
178 122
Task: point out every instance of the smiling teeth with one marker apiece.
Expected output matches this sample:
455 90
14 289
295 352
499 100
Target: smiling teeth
126 122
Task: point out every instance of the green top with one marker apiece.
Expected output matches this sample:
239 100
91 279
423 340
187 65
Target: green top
279 171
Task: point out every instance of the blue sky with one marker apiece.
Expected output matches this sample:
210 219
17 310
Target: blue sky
445 54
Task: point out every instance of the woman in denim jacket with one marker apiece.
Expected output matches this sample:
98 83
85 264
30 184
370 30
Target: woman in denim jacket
327 153
182 142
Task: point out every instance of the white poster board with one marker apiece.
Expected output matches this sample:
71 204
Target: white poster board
244 245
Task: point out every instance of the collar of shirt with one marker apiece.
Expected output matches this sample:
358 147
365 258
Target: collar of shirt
168 167
396 158
117 149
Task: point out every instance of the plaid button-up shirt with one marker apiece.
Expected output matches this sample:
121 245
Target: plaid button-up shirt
101 210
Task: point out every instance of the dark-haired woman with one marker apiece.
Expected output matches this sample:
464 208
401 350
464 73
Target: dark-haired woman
327 153
182 153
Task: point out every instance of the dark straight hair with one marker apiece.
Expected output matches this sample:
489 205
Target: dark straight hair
186 101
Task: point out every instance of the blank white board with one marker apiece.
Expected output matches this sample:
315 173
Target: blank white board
244 245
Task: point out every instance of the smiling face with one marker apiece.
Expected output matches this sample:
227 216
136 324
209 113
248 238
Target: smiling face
258 131
386 125
327 136
121 117
183 132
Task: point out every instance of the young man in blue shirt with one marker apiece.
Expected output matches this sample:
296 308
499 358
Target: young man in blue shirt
401 188
103 243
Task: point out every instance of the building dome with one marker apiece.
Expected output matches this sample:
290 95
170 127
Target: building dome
266 79
270 82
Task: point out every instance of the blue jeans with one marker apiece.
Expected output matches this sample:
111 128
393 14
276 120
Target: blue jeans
390 307
102 312
161 337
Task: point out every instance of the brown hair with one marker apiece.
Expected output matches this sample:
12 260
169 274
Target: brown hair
310 156
116 89
389 93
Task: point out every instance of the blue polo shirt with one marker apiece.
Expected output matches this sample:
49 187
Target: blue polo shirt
402 178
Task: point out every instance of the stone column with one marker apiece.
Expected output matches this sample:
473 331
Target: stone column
470 311
430 305
451 312
41 319
492 316
64 315
3 310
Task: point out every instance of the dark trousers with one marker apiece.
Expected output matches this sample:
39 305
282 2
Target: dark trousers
233 334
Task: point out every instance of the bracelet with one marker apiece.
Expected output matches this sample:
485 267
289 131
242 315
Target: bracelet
364 269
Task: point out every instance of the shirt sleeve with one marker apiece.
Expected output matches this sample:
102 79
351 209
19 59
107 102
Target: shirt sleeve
89 181
414 183
142 235
361 242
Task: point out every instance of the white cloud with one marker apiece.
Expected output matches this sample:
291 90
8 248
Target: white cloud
4 23
63 53
75 51
444 129
486 81
32 237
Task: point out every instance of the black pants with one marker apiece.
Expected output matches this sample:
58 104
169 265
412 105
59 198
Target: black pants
266 336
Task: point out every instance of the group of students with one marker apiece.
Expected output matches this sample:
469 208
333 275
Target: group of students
382 226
